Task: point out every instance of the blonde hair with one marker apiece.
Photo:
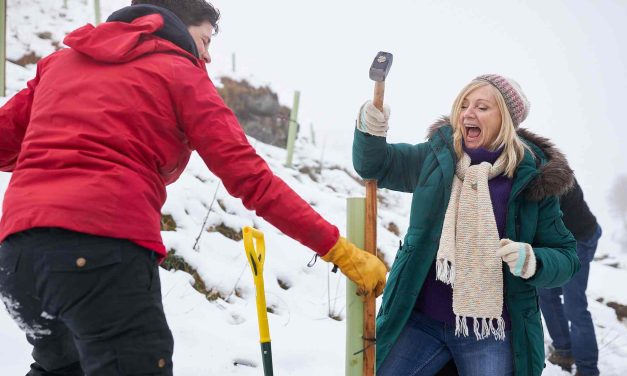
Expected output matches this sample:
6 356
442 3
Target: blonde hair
513 147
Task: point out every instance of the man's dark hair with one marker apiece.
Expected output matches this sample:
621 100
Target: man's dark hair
191 12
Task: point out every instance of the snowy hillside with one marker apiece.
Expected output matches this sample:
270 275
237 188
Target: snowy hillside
216 333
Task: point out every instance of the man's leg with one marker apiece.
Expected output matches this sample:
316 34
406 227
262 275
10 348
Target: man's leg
55 354
107 292
584 343
54 351
557 325
555 318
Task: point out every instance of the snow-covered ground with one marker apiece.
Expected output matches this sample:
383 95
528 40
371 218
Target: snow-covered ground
220 336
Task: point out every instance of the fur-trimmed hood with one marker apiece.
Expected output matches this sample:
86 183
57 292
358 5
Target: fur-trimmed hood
555 175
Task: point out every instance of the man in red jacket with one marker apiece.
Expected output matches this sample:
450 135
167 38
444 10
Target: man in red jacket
91 143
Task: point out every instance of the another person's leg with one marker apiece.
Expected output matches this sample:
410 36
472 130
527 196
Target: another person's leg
488 356
557 325
584 343
555 318
418 351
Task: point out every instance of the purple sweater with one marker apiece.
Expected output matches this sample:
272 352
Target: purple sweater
436 297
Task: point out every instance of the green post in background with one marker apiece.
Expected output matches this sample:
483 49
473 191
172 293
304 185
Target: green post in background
355 232
97 11
313 134
291 134
3 49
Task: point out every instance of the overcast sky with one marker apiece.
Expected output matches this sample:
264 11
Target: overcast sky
569 57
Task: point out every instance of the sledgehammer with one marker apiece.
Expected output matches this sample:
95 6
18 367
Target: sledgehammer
378 72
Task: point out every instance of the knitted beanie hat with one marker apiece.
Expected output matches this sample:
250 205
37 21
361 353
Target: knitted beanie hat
515 99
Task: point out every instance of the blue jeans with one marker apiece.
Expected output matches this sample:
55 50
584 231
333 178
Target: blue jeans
579 341
426 345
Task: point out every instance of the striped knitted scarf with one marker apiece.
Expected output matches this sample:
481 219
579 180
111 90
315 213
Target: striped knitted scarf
466 256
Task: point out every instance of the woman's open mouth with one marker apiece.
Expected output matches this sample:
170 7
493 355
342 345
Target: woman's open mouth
472 133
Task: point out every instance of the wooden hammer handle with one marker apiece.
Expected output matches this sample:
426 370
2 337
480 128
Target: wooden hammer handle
379 88
370 245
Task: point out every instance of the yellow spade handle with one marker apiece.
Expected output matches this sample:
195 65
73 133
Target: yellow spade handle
256 259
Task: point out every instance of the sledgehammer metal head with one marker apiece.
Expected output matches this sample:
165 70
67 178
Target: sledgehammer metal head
381 66
378 72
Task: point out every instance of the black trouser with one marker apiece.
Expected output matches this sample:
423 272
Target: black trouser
88 304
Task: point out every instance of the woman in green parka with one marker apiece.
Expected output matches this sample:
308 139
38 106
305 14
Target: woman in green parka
485 231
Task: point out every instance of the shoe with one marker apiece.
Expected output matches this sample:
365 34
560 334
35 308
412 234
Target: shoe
564 361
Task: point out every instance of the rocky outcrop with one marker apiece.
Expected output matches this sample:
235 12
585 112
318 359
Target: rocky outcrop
258 111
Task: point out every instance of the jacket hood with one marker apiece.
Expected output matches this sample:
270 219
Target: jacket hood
132 32
555 177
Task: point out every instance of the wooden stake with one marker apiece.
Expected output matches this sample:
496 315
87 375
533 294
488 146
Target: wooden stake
370 303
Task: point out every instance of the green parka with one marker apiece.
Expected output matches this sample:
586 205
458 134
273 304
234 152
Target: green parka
533 217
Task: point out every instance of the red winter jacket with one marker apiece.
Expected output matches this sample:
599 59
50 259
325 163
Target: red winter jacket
106 124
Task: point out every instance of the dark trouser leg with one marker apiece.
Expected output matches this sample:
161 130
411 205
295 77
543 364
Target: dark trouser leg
124 329
55 354
555 318
585 349
107 293
54 351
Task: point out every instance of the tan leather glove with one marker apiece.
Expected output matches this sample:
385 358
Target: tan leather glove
361 267
519 257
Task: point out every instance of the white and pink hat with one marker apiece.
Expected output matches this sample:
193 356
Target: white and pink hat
515 99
